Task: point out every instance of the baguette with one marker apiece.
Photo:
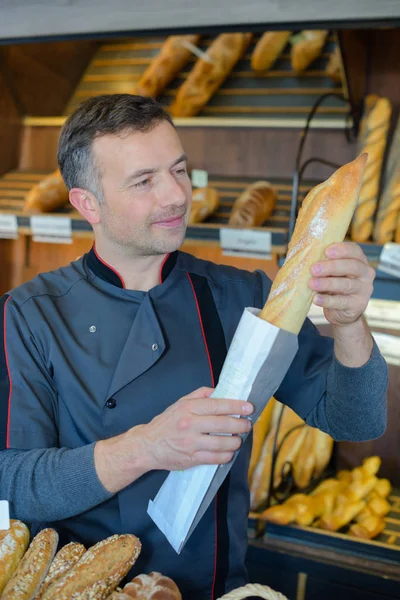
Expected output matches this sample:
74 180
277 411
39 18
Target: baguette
98 572
254 205
260 431
323 220
152 587
306 47
13 544
166 65
323 451
389 205
209 74
205 202
268 48
303 466
288 450
397 234
33 567
64 560
48 195
372 139
334 66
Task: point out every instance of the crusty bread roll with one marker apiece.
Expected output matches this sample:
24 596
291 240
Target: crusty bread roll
173 56
48 195
306 47
205 202
63 561
254 205
260 431
33 567
152 587
13 544
268 48
323 220
334 66
372 139
209 74
98 572
389 205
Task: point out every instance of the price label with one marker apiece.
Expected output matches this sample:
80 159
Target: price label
389 260
4 515
199 178
8 227
53 230
246 243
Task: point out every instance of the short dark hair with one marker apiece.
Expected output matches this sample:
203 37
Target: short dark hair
101 115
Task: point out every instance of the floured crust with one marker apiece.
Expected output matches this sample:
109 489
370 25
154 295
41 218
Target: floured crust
98 572
152 587
13 544
33 567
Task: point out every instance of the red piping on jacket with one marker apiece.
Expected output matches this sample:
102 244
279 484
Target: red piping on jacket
162 266
109 266
9 377
213 384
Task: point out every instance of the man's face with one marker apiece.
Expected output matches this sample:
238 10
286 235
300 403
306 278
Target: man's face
146 189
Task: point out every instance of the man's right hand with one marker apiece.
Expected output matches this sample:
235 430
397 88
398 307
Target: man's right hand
179 438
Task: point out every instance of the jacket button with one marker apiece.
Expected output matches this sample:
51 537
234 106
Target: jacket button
111 403
154 347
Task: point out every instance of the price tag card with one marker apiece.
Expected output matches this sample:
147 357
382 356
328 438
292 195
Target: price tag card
389 260
199 178
383 313
53 230
246 243
4 515
8 227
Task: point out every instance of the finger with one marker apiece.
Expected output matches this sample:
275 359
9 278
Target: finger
203 392
220 443
204 457
346 250
221 406
346 267
336 285
221 424
345 303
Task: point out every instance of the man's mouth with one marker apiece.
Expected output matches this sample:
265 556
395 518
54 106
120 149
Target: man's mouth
170 222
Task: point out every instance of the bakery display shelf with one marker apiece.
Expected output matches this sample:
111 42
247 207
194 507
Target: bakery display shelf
14 186
244 99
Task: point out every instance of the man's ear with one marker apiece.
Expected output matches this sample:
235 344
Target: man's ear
86 203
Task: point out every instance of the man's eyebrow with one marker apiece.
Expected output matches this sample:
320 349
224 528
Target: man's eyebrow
142 172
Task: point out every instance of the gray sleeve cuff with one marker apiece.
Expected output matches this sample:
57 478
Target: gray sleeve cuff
50 484
354 406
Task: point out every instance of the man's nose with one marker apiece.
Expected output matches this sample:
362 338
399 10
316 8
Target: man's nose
172 192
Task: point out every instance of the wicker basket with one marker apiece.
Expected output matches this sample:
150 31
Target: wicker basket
254 589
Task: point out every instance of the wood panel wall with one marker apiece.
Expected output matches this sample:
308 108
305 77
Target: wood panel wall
10 125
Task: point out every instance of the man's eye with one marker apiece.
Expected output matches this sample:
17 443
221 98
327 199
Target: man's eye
142 183
181 171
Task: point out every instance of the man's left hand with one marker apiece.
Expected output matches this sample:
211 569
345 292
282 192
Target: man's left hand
343 283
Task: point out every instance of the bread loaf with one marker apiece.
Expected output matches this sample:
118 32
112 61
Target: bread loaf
98 572
33 567
64 560
323 220
389 205
397 234
152 587
323 449
268 48
48 195
13 544
306 47
209 73
334 66
254 205
174 55
303 465
372 139
205 202
260 431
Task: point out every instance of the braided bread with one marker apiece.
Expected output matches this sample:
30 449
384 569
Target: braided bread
372 139
254 589
389 206
323 220
254 205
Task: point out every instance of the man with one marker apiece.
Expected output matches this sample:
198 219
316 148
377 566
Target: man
105 360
